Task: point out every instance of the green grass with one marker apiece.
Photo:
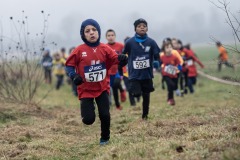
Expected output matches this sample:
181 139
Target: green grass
201 126
208 55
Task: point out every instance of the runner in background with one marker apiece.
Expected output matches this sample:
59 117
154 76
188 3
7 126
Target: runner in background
184 79
47 65
115 77
132 99
175 53
74 87
175 45
223 57
191 59
58 69
170 67
63 53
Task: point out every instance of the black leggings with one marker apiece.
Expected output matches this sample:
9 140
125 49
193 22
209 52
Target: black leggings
186 79
191 82
131 97
142 87
59 81
224 62
171 85
48 75
145 104
117 86
183 80
88 113
180 78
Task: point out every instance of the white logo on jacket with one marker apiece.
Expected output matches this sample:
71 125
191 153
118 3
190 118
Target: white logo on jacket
84 54
147 49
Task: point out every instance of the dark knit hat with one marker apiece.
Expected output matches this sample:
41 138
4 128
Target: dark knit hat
218 43
138 21
96 25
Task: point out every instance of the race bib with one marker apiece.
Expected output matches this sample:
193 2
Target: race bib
95 73
170 69
47 64
141 63
190 62
59 66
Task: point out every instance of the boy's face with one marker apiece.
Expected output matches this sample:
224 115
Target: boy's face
141 29
179 45
175 44
57 56
111 37
45 53
168 49
91 34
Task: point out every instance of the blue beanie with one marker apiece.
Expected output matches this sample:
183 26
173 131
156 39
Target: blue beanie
96 25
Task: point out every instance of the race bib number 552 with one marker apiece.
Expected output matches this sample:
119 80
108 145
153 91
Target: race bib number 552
95 73
170 69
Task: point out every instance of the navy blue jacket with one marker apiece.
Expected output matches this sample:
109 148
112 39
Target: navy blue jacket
141 57
46 62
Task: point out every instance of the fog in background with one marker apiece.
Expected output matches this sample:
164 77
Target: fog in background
190 20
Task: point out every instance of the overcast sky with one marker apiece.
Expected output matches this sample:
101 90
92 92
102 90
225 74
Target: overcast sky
190 20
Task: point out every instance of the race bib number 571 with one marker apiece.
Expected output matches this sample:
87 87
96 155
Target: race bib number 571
95 73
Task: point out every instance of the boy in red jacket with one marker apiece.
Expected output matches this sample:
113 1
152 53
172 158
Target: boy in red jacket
115 78
190 65
87 66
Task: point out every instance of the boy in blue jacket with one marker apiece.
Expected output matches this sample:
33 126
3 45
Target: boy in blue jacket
142 53
47 64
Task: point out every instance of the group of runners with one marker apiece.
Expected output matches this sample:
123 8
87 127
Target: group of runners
97 69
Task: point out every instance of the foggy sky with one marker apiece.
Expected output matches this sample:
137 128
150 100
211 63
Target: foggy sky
190 20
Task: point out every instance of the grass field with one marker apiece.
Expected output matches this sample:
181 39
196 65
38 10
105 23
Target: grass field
208 55
205 125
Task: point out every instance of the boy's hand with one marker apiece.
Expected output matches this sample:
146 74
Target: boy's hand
156 64
123 59
77 79
179 67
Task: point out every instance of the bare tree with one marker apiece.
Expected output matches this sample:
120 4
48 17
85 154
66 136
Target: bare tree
233 21
20 54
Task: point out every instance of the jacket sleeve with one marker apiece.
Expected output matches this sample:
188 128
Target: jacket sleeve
126 48
70 70
112 57
156 50
70 64
197 60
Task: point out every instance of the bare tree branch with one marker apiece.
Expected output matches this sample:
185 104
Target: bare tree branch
20 74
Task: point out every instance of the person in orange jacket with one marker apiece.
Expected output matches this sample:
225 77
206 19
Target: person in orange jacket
223 57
